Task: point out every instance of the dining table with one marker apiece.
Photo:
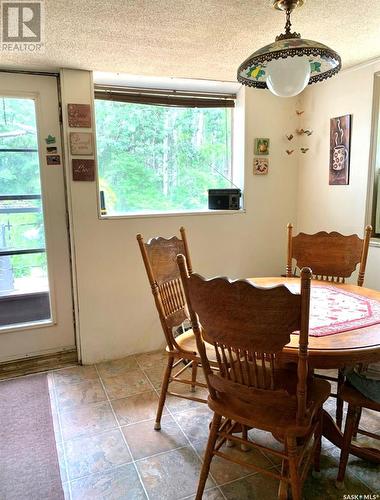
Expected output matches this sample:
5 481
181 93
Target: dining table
344 330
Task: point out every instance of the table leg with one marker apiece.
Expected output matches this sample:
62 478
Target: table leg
332 432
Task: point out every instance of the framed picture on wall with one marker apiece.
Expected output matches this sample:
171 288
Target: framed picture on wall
261 146
340 150
260 166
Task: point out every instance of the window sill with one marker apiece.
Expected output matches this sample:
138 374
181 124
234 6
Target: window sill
172 214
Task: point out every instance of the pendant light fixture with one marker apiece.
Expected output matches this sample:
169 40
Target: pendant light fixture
289 64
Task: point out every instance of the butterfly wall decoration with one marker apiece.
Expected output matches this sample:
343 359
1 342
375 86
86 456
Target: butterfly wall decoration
298 131
302 131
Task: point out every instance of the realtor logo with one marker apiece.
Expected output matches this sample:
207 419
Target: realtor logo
22 26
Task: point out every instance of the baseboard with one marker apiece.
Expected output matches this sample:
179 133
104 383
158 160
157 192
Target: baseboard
38 364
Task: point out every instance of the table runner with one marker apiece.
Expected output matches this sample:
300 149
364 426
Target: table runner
335 311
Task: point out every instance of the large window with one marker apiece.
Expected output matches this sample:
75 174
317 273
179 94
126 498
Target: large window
161 153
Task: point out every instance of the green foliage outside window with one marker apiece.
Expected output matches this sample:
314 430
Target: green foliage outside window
160 158
20 175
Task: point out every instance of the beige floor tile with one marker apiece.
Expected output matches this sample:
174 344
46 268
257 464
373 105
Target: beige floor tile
266 439
126 384
324 486
96 453
176 404
155 375
171 475
370 420
186 375
66 491
212 494
327 373
224 471
72 395
367 472
62 463
195 422
75 374
121 483
252 487
136 408
87 420
150 360
117 366
144 441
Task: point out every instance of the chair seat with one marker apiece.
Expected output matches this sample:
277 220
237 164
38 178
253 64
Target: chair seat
356 398
187 342
277 415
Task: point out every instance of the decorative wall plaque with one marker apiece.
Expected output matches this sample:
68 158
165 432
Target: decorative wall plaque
81 143
260 166
261 146
340 144
83 170
79 115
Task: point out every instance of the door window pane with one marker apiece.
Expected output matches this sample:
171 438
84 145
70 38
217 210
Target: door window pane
24 289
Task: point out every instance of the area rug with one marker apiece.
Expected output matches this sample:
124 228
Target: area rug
29 468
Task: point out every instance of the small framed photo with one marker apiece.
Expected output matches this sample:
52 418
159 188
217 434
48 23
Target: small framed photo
261 146
53 159
260 166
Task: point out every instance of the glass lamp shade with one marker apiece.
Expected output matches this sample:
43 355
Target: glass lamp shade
282 64
289 76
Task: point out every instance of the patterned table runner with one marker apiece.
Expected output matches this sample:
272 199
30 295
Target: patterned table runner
335 311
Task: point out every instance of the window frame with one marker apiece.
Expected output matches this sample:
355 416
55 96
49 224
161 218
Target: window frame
100 92
373 187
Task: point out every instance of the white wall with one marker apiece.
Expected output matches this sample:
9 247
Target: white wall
341 208
116 315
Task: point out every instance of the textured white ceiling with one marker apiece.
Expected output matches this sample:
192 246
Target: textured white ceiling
191 39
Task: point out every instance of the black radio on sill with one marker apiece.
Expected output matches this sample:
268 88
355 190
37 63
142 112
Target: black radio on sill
224 199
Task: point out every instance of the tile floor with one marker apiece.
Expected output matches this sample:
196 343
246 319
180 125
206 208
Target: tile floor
103 420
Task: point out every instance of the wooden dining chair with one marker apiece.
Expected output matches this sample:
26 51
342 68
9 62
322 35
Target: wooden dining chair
356 401
248 327
159 256
333 257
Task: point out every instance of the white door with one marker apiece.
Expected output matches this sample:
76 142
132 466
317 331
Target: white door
36 309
